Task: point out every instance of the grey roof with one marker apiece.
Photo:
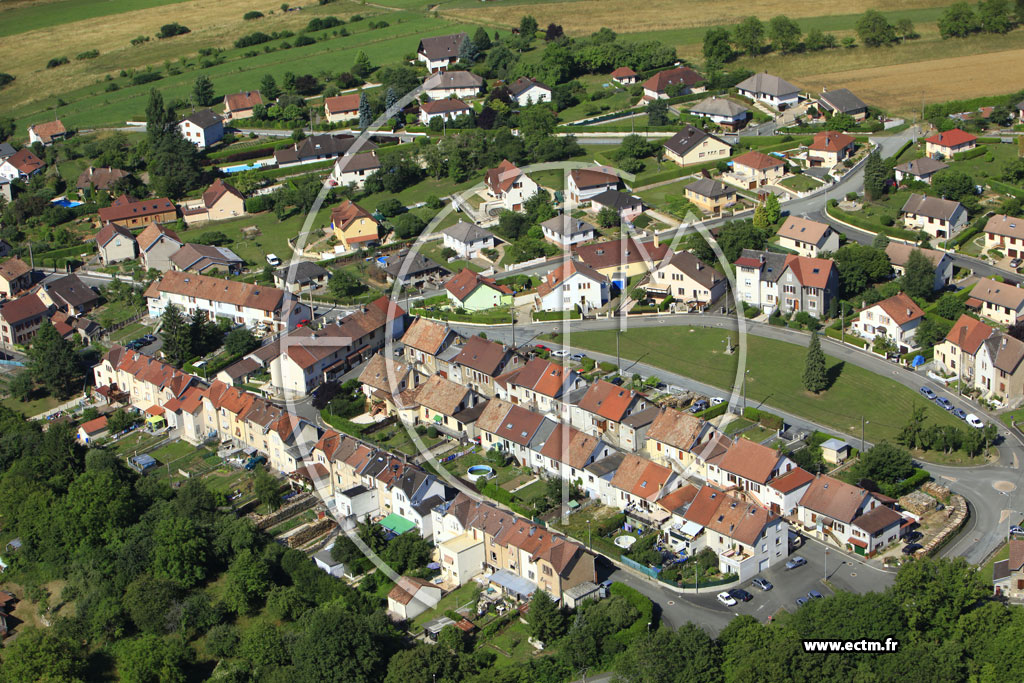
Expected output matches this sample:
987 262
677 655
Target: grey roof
606 465
204 118
642 418
718 106
1020 105
244 367
931 207
765 83
567 225
835 444
6 150
1001 569
304 271
442 47
581 590
522 84
71 290
513 583
774 263
324 556
842 101
616 200
416 265
696 269
688 138
454 79
706 187
467 233
924 166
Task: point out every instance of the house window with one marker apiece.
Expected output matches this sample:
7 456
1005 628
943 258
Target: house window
547 570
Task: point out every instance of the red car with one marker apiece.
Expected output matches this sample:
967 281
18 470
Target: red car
541 347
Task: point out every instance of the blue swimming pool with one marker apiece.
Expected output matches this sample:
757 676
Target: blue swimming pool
238 168
66 203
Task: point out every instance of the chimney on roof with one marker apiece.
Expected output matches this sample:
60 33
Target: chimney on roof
657 240
762 258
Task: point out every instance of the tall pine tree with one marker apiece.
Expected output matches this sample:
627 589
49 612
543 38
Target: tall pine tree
202 91
268 89
365 115
815 372
390 99
876 172
177 336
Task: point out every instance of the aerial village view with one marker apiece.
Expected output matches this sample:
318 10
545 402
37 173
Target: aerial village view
511 341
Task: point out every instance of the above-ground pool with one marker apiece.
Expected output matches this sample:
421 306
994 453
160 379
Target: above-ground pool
477 471
625 541
65 202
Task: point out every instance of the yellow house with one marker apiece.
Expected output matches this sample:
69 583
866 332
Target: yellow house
692 145
621 259
710 196
353 226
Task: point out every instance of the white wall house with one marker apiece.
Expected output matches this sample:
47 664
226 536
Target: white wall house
529 91
940 218
570 286
467 239
565 231
896 319
202 128
510 186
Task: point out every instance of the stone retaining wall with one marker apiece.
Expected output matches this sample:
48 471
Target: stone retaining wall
301 502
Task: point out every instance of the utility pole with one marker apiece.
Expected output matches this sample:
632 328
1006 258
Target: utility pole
513 327
842 330
826 563
861 433
618 363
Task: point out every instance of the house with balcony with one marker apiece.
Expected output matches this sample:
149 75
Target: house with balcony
783 493
830 148
848 516
603 407
636 488
458 84
895 319
507 184
756 169
21 318
572 286
424 341
749 467
958 352
440 52
1005 233
676 437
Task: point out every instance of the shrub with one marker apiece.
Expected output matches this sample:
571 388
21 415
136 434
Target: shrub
303 40
91 54
138 40
111 87
319 24
888 220
56 61
256 38
851 196
5 79
146 77
607 366
764 418
171 30
249 16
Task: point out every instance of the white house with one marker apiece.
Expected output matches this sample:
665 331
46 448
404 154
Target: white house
566 231
529 91
448 110
848 516
807 237
687 279
202 128
567 452
899 253
747 466
510 186
440 52
770 89
783 494
722 111
919 169
570 286
940 218
445 84
412 596
354 169
585 183
467 239
895 318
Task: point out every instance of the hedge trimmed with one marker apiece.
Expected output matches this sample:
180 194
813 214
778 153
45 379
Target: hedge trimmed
556 315
904 487
766 419
1006 188
714 411
970 154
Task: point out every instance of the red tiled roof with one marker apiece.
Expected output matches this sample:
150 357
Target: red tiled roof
758 160
607 400
622 72
831 141
125 207
346 212
660 81
951 138
901 308
811 272
500 179
241 101
968 333
342 103
466 282
25 161
22 308
96 425
47 131
792 480
218 188
748 460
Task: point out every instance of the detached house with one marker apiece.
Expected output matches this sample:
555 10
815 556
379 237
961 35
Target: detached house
47 133
603 407
445 84
688 280
945 145
899 253
1008 574
475 292
220 201
770 89
15 276
240 105
440 52
129 213
999 372
446 110
756 169
624 76
684 78
895 318
115 244
958 352
848 516
355 169
156 246
1005 233
621 259
829 148
566 231
452 408
693 145
20 319
940 218
68 294
807 237
353 226
747 466
341 108
710 196
318 148
721 111
920 170
790 283
526 91
509 185
202 128
572 286
21 165
1000 302
206 258
842 101
467 239
103 179
585 183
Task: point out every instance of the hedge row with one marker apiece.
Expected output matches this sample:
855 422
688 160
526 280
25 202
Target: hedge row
643 605
766 419
714 411
1006 188
970 154
556 315
506 498
904 487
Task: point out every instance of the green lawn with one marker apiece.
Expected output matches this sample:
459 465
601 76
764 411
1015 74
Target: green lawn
990 165
33 407
432 250
985 573
459 466
114 312
29 17
775 370
273 237
453 600
583 532
129 332
800 183
669 199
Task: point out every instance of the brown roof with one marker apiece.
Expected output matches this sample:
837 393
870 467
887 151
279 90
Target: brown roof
660 81
258 297
25 161
680 499
342 103
563 272
998 293
834 498
901 308
968 333
675 428
602 255
569 445
688 264
47 131
607 400
500 179
23 308
541 376
444 106
482 355
792 480
687 139
804 230
441 395
379 372
151 233
407 587
124 207
100 178
749 460
1016 555
466 282
1007 351
442 47
593 177
758 160
241 101
346 212
831 141
729 516
1001 224
811 272
95 425
641 477
623 71
218 188
426 335
881 517
13 268
199 257
951 138
510 422
931 207
899 253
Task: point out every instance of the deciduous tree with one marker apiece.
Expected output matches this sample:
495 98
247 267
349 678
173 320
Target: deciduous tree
874 30
784 33
718 46
958 21
919 275
749 36
53 362
202 91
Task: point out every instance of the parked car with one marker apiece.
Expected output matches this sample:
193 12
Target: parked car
800 602
699 406
911 548
726 599
149 338
944 402
560 353
716 400
974 421
741 595
578 356
763 584
1016 530
273 260
795 561
960 412
541 347
814 595
912 536
1015 263
617 381
928 393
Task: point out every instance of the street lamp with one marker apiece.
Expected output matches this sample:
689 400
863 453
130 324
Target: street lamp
862 423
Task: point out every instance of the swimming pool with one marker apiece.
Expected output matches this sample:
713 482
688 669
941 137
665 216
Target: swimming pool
238 168
65 202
